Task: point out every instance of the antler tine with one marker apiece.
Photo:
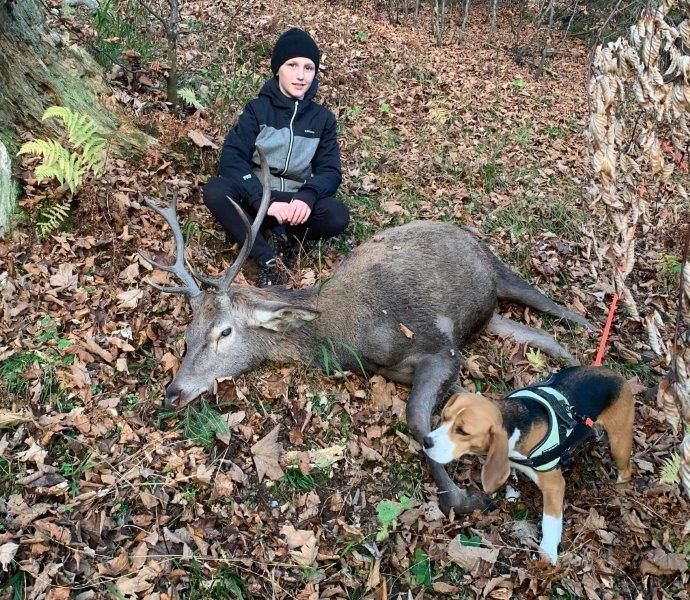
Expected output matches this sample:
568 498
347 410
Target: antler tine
251 232
217 282
169 213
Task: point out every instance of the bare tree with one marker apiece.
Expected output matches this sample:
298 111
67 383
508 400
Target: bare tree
463 25
492 29
547 40
171 27
439 19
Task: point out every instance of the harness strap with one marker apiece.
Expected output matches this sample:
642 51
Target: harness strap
565 429
560 454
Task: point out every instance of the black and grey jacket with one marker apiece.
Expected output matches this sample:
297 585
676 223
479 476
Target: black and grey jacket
299 138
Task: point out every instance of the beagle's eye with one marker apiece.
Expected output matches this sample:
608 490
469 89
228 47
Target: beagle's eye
460 431
226 332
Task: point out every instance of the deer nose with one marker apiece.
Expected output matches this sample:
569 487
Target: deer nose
173 398
428 442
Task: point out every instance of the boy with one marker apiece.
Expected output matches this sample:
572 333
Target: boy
300 141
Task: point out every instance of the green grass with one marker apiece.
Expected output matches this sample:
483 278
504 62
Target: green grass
407 477
202 584
527 215
12 371
630 370
295 481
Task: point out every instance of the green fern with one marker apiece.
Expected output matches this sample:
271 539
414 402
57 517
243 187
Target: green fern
69 167
51 218
80 128
188 95
86 154
670 471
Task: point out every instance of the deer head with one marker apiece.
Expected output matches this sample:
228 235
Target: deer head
234 328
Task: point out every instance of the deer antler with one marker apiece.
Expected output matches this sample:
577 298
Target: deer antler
169 213
223 283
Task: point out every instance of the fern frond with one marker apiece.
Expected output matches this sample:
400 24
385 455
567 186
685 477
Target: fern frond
61 112
51 218
670 471
80 128
50 150
58 162
93 156
188 95
48 171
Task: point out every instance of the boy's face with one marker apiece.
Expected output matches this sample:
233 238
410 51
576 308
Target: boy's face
295 77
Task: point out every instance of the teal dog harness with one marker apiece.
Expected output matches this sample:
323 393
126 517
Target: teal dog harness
566 429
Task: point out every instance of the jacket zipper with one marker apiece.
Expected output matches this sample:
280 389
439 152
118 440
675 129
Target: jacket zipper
292 139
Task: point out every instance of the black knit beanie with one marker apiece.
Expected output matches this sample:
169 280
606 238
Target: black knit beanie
292 44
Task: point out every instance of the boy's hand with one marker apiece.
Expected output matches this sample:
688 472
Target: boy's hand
300 211
281 211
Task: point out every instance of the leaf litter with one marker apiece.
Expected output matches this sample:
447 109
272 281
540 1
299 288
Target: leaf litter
104 492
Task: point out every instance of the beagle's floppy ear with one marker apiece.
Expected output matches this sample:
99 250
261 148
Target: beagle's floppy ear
496 468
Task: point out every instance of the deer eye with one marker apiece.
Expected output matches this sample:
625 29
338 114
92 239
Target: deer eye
226 332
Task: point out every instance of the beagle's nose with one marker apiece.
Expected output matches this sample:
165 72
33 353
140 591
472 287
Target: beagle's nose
428 442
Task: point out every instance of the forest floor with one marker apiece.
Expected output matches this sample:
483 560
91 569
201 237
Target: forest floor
106 494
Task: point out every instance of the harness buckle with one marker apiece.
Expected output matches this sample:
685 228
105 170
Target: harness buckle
588 421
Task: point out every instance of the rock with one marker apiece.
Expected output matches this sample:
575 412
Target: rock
8 191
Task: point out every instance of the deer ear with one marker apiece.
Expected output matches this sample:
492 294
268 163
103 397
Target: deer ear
277 316
496 468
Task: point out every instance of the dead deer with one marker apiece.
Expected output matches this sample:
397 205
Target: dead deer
435 279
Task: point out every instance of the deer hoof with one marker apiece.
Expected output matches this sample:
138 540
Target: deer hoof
464 501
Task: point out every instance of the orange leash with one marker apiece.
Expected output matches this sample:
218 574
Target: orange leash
607 330
612 307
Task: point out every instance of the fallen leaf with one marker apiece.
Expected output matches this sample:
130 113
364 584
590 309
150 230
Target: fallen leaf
296 538
468 557
35 454
406 331
393 208
130 298
201 140
64 278
7 552
381 393
307 554
266 453
444 588
660 562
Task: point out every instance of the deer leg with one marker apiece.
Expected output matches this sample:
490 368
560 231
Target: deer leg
523 334
434 374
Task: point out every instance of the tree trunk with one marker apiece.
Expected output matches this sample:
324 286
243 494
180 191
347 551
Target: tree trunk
8 190
38 69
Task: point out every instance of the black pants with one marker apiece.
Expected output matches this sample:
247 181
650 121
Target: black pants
328 218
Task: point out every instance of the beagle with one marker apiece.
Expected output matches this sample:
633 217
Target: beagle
534 430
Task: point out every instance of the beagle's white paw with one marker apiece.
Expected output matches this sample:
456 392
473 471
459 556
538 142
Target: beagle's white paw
512 495
550 552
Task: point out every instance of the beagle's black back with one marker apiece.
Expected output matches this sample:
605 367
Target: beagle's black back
590 390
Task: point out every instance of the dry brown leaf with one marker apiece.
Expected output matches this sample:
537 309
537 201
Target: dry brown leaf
407 332
64 278
266 454
296 538
306 555
7 553
200 139
660 562
468 557
58 593
381 393
130 298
